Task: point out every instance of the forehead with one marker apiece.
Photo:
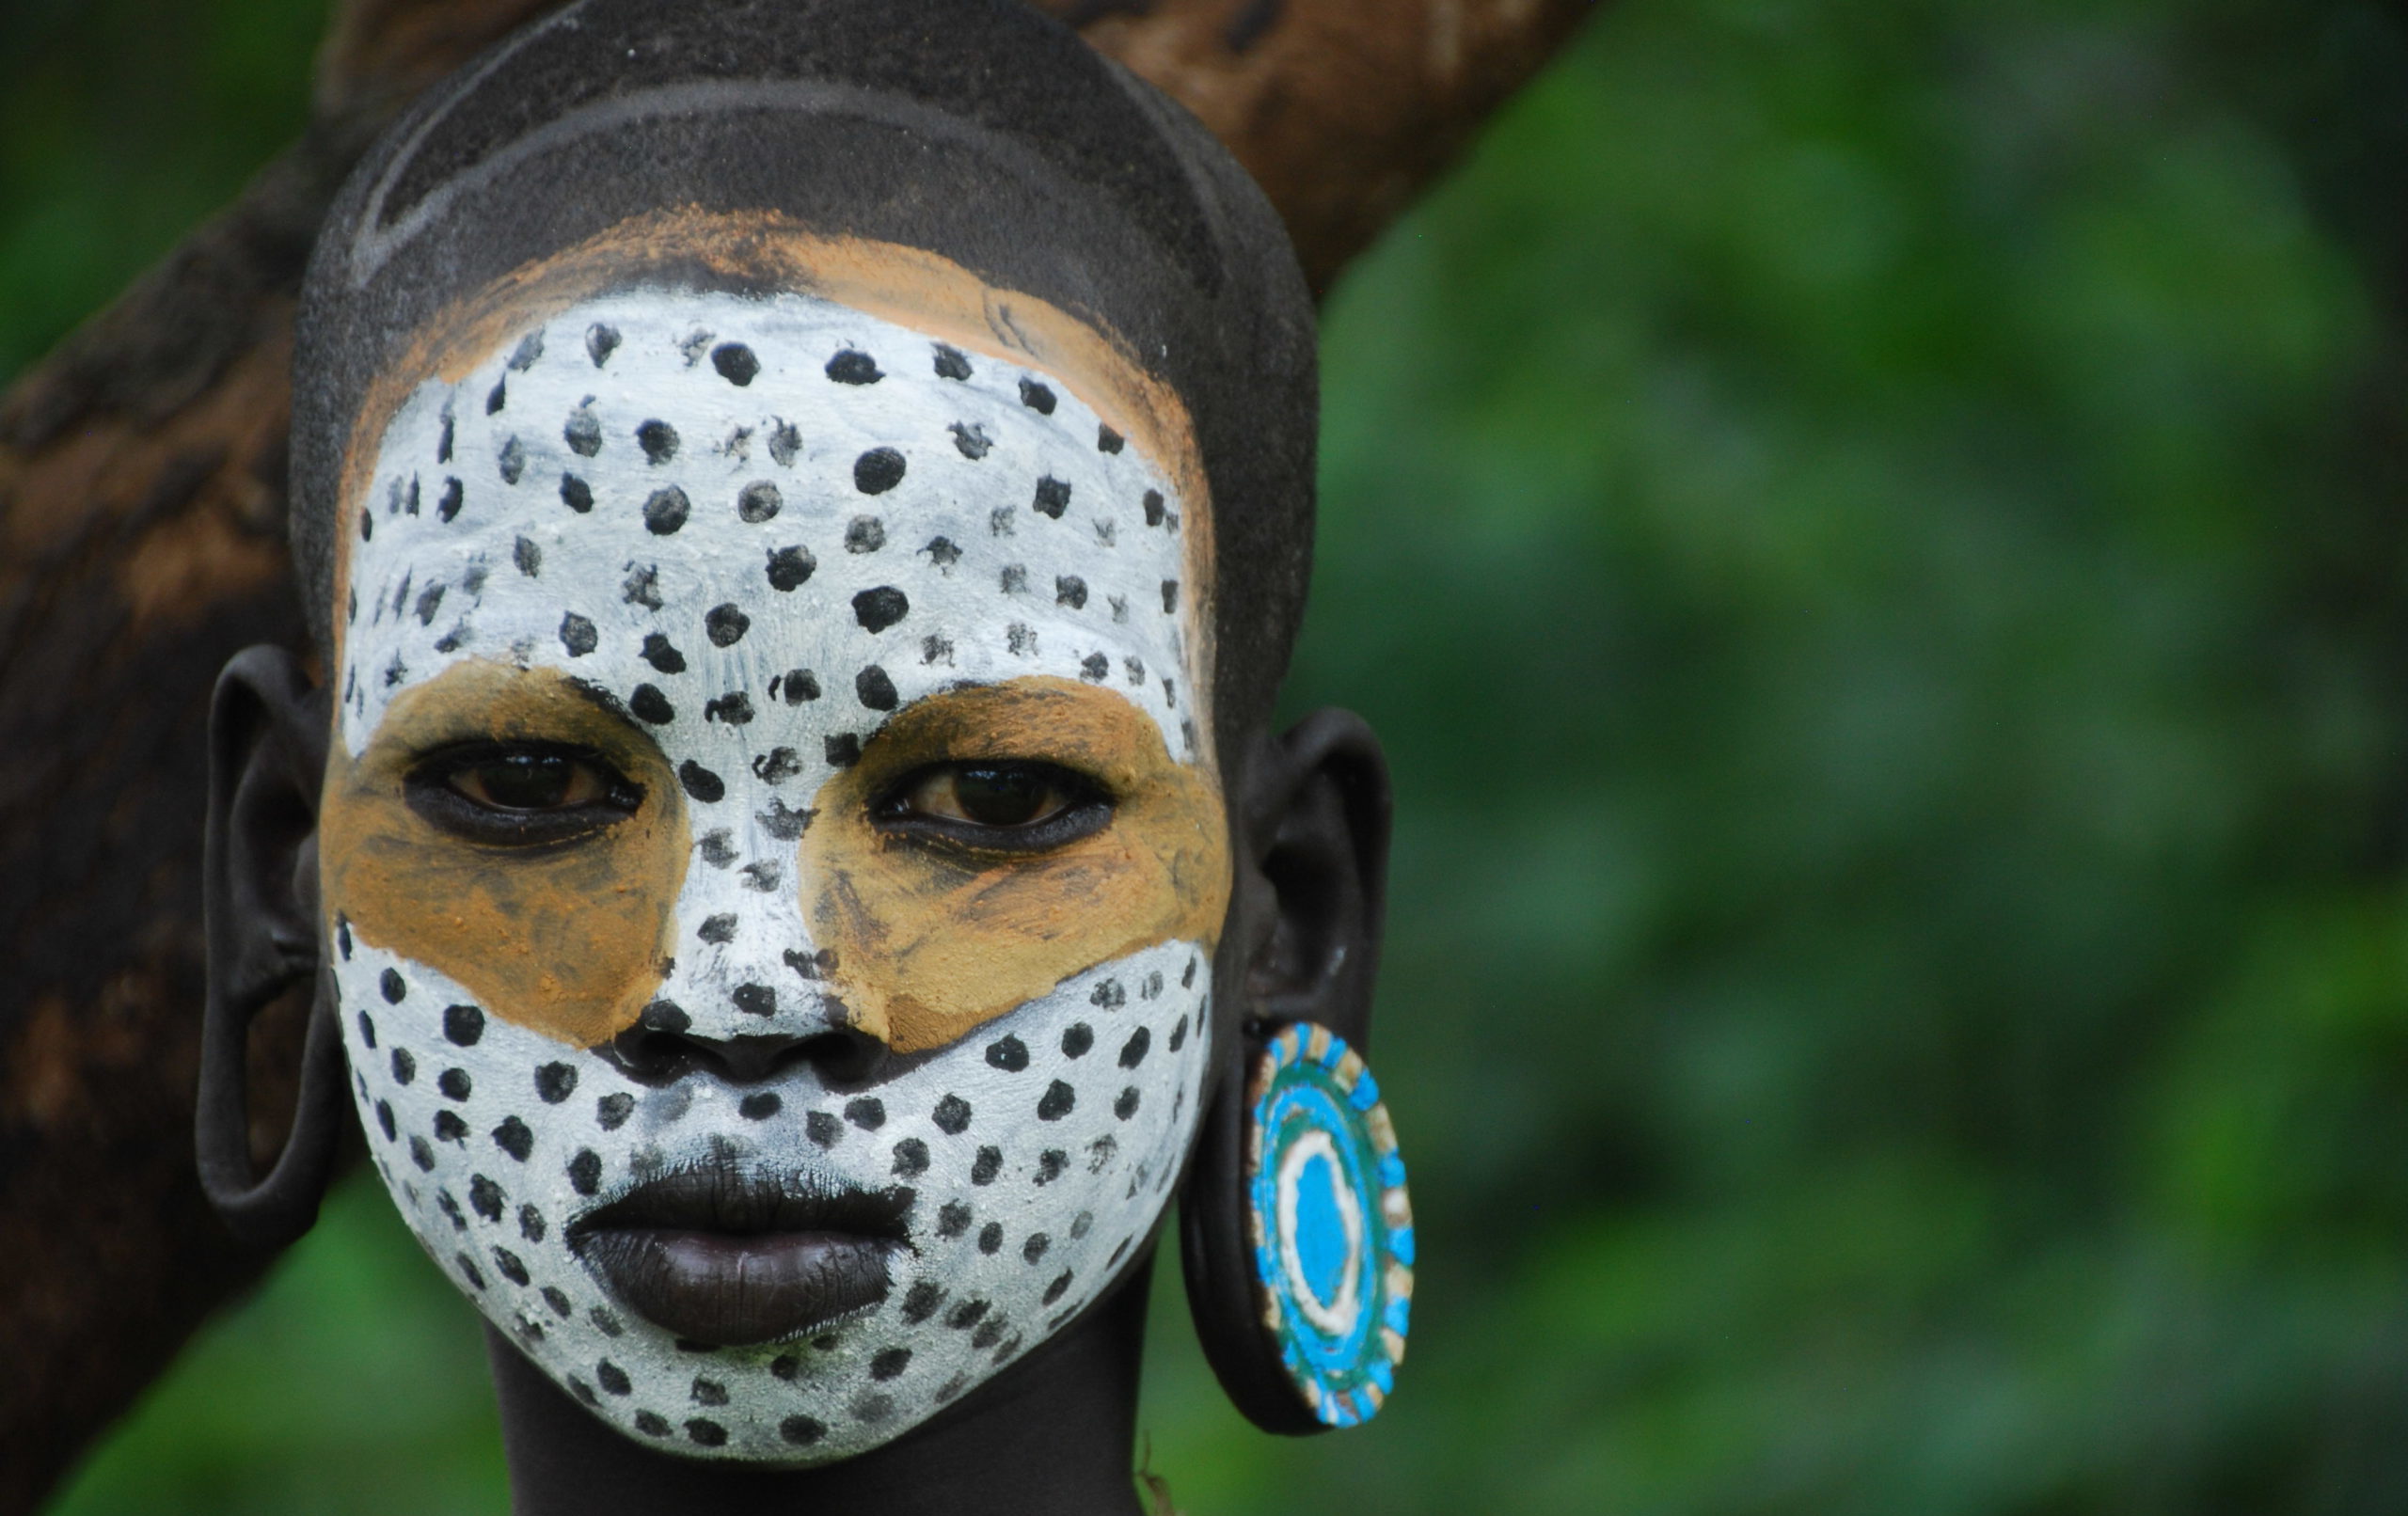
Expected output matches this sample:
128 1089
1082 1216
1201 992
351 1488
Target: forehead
736 503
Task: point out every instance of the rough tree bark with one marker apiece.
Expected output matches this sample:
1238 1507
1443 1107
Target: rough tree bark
142 543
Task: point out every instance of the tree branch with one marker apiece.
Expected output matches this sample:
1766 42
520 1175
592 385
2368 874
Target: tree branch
1343 110
142 471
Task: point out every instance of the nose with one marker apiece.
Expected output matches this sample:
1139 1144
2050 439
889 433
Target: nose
663 1046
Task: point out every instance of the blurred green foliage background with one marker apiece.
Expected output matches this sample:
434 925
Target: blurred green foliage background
1874 531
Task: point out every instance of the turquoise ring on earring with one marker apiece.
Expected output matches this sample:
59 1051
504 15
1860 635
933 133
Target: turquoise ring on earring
1331 1225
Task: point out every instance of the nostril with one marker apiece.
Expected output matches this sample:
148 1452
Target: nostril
665 1016
657 1047
661 1047
650 1056
841 1056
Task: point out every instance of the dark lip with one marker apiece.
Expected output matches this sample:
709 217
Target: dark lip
730 1255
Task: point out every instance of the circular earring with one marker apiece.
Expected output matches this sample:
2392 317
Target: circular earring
1330 1222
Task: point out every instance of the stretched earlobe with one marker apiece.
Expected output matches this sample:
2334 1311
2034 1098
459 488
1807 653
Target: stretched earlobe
267 749
1312 846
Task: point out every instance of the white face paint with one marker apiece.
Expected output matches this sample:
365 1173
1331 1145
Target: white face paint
757 527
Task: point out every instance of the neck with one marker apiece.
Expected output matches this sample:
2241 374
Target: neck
1052 1435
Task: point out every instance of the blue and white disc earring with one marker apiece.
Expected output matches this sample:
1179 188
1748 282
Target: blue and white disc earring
1330 1222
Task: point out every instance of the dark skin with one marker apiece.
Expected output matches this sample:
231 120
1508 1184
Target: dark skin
1309 825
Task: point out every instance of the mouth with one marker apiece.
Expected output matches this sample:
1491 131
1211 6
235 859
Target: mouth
731 1256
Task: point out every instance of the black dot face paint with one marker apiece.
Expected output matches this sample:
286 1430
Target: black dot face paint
736 363
757 533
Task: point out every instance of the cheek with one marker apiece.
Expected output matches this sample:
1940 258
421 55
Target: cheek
927 949
571 945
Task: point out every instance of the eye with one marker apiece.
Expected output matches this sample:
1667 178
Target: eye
520 795
1023 806
989 794
529 782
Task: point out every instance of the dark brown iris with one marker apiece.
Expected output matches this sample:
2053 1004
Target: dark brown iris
529 782
1010 795
1014 805
514 795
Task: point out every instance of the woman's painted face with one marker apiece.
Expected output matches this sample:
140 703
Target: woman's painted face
771 858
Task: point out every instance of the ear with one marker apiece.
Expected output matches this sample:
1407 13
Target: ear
267 755
1311 893
1315 839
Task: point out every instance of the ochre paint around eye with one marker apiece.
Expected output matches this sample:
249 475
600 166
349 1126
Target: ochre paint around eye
931 941
564 939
